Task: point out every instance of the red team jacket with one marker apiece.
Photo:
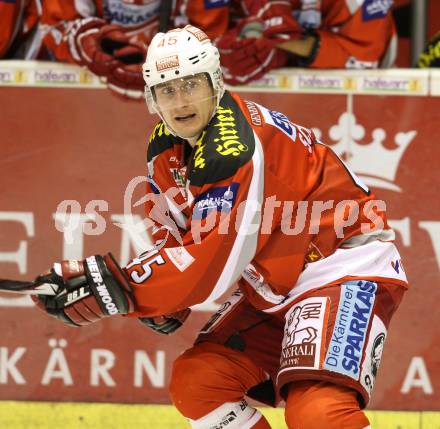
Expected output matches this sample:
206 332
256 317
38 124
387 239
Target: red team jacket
259 201
355 34
352 33
140 17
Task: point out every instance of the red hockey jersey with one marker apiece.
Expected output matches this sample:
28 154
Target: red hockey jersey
260 201
352 34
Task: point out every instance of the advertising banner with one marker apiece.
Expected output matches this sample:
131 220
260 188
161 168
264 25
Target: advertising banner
70 159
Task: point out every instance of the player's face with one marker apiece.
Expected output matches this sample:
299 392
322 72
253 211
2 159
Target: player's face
186 104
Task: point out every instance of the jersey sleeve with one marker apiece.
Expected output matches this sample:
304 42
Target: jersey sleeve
226 193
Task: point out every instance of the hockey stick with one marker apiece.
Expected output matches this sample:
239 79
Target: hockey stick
28 288
165 10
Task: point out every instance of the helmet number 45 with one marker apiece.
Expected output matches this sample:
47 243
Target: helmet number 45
171 40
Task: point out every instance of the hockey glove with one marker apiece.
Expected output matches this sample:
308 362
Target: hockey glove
247 59
108 51
88 291
249 50
125 79
92 43
275 19
166 324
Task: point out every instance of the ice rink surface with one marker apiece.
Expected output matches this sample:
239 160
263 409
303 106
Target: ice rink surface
56 415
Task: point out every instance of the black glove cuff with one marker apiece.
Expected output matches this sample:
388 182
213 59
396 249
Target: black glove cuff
166 328
109 293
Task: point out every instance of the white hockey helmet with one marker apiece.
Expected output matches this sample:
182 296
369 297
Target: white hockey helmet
179 53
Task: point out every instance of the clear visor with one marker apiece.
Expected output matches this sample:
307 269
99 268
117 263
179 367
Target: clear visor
182 92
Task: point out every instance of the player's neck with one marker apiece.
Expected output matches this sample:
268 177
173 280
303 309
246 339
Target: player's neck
192 141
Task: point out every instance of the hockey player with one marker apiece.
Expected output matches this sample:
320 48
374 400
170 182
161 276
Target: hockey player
240 194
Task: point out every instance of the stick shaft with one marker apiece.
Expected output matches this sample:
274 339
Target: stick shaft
28 288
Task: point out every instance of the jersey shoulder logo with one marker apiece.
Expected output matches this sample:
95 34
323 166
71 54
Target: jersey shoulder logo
295 132
375 9
281 121
220 199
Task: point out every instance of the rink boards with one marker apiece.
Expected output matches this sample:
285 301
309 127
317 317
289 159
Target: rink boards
57 121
